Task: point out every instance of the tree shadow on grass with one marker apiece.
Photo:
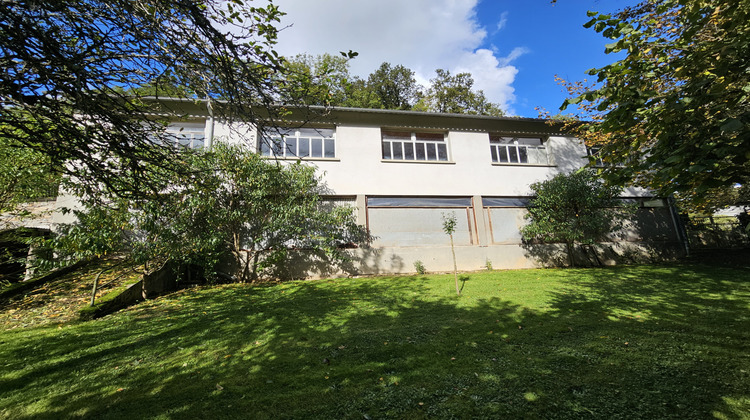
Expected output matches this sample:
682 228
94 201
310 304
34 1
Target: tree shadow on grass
626 342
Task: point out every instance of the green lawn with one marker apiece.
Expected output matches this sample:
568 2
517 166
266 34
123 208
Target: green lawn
627 342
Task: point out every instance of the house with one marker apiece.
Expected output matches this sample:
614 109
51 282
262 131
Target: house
402 170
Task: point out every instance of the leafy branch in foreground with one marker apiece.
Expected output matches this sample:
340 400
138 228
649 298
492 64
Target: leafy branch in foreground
676 108
72 72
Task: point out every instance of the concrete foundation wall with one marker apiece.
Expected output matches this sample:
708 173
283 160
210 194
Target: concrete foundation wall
400 260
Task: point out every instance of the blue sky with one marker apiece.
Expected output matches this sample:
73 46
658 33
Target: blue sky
513 48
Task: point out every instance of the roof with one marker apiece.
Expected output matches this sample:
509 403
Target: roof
319 115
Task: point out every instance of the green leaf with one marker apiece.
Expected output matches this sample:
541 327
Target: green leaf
732 125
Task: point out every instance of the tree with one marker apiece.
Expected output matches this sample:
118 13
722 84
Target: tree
316 80
576 208
394 86
676 108
71 69
449 227
24 175
232 212
454 94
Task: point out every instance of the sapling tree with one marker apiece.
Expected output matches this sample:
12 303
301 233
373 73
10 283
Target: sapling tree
449 227
575 208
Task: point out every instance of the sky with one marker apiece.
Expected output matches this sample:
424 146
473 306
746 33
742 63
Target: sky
513 48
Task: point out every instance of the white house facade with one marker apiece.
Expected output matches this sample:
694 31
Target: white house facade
402 171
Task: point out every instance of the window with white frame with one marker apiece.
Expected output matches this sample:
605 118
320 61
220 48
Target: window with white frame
414 146
521 150
594 155
190 135
298 143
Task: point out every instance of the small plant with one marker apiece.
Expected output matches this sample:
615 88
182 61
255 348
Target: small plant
488 264
419 267
449 226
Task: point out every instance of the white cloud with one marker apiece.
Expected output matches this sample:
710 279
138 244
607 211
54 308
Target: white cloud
502 22
422 35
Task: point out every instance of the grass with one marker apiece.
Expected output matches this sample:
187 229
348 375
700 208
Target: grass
628 342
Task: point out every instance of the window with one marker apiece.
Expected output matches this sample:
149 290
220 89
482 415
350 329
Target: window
190 135
506 216
529 150
404 145
299 143
418 221
594 155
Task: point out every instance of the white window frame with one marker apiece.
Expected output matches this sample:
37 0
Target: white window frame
298 143
593 153
189 135
414 146
511 150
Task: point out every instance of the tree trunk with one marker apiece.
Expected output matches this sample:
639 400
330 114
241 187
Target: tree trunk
96 286
455 267
569 245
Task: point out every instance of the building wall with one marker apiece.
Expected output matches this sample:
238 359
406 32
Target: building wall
405 234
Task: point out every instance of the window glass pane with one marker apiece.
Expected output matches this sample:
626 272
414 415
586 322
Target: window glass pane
315 132
409 151
442 152
513 151
503 153
396 135
531 141
265 150
430 136
198 142
418 201
523 155
397 153
317 147
330 148
493 151
505 201
278 149
431 152
420 151
304 147
386 150
291 147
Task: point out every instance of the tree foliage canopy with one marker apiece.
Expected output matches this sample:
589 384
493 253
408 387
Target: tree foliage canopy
233 211
454 94
676 108
71 72
325 80
24 175
316 80
576 208
394 86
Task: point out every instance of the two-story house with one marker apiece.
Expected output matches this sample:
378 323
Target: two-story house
403 170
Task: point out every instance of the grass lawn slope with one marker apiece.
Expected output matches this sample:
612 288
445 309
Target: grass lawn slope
628 342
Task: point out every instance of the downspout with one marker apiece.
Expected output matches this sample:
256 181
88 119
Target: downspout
678 225
210 122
